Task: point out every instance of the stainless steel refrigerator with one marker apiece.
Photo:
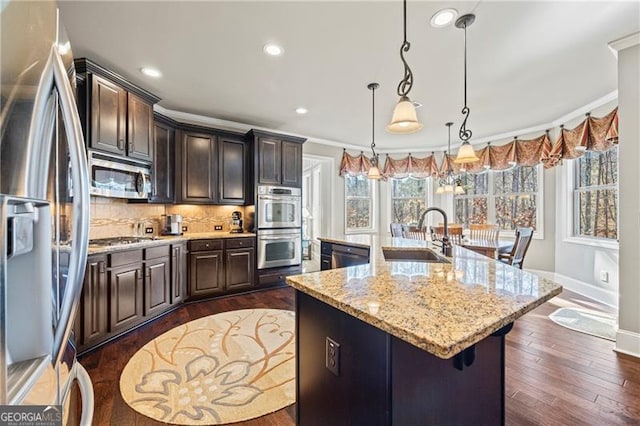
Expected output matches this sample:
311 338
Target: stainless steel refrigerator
44 211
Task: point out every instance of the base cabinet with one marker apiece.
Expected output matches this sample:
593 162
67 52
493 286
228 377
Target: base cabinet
334 256
221 266
382 380
121 290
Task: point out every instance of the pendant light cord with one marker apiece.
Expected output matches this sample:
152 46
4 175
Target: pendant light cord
373 87
404 87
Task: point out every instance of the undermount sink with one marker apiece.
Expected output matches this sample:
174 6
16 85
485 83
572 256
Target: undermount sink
413 255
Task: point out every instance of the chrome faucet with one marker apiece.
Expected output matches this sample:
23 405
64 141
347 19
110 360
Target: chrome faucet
446 247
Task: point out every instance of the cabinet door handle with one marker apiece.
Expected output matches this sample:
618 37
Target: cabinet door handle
130 146
121 144
101 267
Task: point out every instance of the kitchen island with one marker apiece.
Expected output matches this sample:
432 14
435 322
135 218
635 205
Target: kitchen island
408 342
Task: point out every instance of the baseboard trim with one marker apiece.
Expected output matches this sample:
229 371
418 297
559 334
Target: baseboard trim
628 342
582 288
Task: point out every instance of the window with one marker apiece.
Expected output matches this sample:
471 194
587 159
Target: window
358 203
408 199
515 192
596 195
472 207
509 198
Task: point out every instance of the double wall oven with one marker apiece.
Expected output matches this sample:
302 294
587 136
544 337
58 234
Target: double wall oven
279 219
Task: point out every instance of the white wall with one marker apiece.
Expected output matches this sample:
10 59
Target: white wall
628 337
578 265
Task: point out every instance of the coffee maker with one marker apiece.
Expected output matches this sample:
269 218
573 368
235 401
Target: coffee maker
236 222
172 224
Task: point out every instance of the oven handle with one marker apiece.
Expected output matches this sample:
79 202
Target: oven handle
278 198
280 238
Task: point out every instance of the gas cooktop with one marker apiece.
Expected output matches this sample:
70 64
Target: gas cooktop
114 241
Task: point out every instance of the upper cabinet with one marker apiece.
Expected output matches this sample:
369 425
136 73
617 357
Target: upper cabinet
211 167
162 175
117 116
278 158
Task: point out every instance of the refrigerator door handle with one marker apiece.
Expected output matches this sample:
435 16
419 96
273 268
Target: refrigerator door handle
80 179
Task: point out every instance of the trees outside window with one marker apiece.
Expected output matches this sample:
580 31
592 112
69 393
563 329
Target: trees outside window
595 196
408 199
508 198
359 212
472 207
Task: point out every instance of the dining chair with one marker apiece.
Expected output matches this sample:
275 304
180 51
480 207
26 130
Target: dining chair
520 246
396 229
484 231
414 233
454 232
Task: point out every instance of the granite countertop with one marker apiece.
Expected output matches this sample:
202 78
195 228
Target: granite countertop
442 308
165 239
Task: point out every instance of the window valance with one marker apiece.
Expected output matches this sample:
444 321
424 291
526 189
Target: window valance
354 165
593 134
410 166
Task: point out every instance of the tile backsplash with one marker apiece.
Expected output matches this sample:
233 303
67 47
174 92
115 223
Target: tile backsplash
112 217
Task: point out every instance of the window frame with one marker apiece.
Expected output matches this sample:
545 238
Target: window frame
573 213
491 196
428 199
373 200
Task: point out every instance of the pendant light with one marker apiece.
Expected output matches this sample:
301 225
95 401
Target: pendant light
466 153
374 171
404 119
449 183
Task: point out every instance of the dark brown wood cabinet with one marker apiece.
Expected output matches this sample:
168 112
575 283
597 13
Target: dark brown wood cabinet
116 115
199 167
292 164
221 266
163 168
278 158
139 128
94 315
239 263
206 273
126 281
334 256
178 272
269 160
157 281
232 156
211 167
108 116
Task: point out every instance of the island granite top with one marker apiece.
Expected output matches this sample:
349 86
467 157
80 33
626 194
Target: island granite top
442 308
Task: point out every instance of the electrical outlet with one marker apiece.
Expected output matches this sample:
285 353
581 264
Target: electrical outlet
148 230
217 227
184 229
604 276
332 358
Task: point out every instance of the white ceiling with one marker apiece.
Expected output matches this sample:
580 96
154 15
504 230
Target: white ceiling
529 62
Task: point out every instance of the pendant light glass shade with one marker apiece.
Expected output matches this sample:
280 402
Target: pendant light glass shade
440 190
459 189
466 154
374 173
405 119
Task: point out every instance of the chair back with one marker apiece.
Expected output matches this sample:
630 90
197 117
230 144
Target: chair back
454 232
484 231
415 235
520 246
396 230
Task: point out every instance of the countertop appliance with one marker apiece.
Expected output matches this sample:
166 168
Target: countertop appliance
236 222
172 224
44 212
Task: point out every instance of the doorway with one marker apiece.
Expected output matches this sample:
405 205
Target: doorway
317 204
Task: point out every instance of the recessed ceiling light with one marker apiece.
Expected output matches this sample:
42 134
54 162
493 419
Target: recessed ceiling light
151 72
273 49
301 110
443 18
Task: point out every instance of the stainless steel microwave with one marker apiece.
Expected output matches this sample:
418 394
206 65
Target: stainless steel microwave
118 177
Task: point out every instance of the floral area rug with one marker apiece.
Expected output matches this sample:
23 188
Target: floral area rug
223 368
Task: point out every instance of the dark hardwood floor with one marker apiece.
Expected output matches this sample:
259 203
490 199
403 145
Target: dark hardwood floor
555 376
